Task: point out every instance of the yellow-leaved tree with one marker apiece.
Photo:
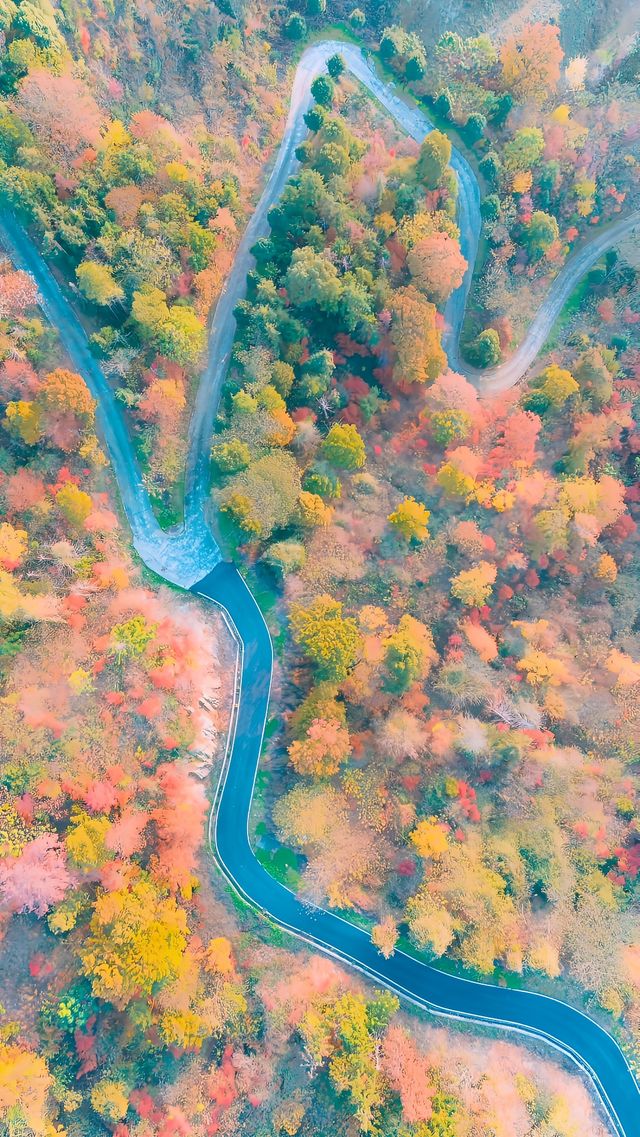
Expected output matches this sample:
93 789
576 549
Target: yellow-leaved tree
385 936
409 653
323 751
415 338
110 1099
24 1087
13 545
473 586
430 838
411 519
330 639
137 938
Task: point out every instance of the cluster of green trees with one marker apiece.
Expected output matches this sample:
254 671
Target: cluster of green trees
314 326
404 52
33 39
135 219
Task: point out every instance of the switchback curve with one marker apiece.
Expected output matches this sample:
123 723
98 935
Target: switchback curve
189 556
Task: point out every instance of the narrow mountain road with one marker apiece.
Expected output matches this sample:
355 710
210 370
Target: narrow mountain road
182 556
189 556
507 374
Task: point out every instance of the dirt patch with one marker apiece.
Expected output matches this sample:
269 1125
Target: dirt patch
31 961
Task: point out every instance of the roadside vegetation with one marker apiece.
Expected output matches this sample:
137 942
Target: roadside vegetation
553 141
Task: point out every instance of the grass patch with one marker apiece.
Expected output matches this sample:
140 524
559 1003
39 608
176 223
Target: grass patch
265 591
261 784
279 643
169 506
226 533
271 728
152 578
359 919
282 864
497 977
339 30
238 902
274 934
571 309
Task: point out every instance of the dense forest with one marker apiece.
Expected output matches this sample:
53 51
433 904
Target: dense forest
450 577
461 738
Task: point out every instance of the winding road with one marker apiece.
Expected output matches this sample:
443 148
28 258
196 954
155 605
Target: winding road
190 557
